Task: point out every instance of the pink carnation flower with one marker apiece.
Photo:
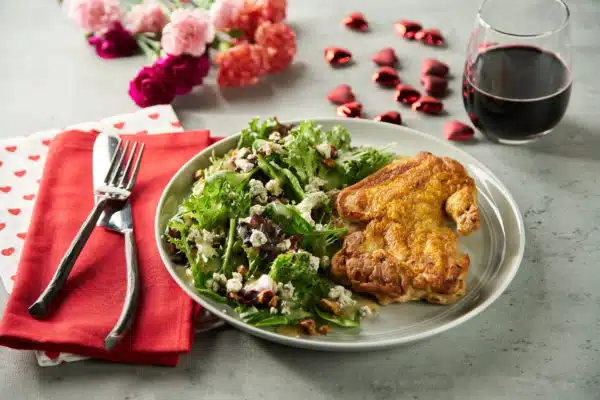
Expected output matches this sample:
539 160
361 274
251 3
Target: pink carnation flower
224 12
146 17
96 16
188 32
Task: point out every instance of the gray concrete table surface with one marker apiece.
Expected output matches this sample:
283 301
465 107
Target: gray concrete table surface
540 339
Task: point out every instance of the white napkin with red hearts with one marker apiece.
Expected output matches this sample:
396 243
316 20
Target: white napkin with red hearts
21 165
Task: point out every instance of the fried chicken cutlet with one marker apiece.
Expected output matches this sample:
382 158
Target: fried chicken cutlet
405 250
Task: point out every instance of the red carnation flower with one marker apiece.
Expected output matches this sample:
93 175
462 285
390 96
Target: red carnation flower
241 65
274 10
280 41
248 19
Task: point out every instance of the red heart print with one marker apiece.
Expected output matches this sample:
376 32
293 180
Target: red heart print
1 163
2 225
142 133
176 124
14 211
8 251
20 173
13 277
119 125
46 142
28 197
53 355
22 235
154 116
341 94
11 148
5 189
34 157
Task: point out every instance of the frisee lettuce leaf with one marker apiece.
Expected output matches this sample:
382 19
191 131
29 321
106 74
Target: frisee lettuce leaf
225 195
257 130
361 162
301 155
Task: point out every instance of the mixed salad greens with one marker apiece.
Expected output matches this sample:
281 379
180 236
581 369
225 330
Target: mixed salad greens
259 229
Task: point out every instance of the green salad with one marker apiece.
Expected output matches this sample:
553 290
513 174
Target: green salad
260 227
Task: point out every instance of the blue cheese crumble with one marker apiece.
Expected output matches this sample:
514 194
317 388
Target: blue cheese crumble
234 284
217 282
257 209
258 191
324 149
311 201
314 184
257 238
341 295
274 187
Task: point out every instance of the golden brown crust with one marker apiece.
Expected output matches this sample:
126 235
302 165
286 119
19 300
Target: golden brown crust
406 251
409 185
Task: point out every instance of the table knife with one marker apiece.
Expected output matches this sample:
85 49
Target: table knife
119 221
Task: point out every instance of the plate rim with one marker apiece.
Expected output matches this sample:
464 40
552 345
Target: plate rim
345 345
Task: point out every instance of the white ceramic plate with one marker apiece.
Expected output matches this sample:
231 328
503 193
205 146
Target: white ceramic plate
496 249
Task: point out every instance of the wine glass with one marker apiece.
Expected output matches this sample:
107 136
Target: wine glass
517 76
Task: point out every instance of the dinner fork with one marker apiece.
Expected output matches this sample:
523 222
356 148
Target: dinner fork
112 195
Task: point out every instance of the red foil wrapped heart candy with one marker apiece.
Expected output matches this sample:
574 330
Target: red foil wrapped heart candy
457 131
431 66
386 76
406 94
391 117
341 94
385 57
407 29
430 37
356 21
350 110
337 56
428 105
434 85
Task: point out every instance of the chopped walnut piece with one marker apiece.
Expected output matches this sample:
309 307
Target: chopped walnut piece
309 326
330 306
328 163
273 301
333 151
242 270
198 174
265 297
324 329
233 296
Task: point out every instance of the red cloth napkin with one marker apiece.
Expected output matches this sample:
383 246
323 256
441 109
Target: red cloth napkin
93 296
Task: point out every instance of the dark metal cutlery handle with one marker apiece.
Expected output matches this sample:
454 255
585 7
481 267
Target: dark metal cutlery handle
131 296
40 308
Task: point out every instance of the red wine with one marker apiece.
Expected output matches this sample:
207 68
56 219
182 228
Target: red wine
516 92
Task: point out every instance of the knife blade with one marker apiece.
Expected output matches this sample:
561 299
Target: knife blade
119 221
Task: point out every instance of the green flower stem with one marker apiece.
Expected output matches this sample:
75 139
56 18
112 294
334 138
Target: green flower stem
147 49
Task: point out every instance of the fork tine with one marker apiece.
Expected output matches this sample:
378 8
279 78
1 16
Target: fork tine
135 169
115 175
125 173
113 163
